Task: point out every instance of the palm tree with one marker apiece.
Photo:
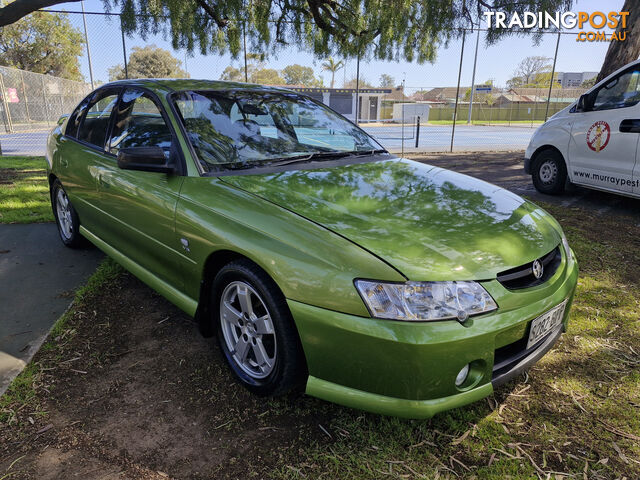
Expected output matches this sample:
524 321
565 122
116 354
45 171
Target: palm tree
332 66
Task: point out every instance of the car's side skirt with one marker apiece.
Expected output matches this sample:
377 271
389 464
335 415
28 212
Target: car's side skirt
179 299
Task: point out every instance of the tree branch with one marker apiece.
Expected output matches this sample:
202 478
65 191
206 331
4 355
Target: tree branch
211 11
14 11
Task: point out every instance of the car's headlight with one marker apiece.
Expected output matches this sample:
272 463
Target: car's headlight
565 245
421 301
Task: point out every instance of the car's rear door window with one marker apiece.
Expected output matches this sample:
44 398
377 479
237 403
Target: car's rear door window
139 123
95 125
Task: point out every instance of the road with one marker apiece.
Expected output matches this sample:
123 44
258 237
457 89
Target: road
433 138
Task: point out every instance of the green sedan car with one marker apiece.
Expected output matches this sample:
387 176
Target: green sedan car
318 259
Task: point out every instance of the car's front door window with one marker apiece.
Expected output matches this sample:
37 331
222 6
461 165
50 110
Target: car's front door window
620 92
95 124
139 123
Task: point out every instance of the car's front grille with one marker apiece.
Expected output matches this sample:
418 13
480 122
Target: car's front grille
523 276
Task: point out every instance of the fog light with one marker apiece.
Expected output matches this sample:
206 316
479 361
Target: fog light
462 375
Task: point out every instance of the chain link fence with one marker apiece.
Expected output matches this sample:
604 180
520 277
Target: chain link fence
470 107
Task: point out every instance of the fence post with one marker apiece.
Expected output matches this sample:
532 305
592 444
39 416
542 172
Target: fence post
8 125
44 99
358 86
455 109
417 130
86 39
553 72
24 95
124 50
244 52
473 77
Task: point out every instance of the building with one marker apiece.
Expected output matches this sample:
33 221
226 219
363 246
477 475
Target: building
343 100
573 79
443 95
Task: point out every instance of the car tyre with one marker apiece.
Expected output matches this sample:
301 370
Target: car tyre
549 172
255 330
66 217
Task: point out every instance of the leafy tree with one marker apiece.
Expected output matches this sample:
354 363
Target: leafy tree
299 75
43 43
232 74
362 84
387 81
528 69
256 72
589 83
411 30
149 62
330 65
267 76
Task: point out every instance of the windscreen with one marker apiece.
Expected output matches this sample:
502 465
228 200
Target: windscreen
242 129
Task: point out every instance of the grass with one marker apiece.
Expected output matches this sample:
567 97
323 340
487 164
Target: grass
24 190
486 122
22 393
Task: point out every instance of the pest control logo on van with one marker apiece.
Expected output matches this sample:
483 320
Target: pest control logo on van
598 135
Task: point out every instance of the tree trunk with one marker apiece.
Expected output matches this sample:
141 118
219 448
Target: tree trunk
333 75
14 11
621 53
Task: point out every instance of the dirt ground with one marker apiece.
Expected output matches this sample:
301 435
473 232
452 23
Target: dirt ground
137 385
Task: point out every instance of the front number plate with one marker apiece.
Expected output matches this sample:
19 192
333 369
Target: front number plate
545 323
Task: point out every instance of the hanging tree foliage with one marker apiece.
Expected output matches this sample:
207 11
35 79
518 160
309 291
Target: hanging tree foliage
411 30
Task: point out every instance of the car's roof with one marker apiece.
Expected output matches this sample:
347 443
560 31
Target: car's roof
181 84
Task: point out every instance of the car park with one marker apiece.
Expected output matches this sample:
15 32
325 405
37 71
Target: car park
319 259
593 142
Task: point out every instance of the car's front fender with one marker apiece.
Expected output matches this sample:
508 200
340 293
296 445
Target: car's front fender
309 263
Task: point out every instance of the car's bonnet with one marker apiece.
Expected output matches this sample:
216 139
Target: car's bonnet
429 223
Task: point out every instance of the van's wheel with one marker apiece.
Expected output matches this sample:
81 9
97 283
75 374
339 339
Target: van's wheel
66 217
549 172
255 329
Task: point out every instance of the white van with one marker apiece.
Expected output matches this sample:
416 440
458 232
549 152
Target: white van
594 142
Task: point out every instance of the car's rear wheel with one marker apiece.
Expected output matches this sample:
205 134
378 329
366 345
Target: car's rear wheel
549 172
255 329
66 217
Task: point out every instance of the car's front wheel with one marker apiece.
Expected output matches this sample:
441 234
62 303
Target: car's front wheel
255 329
549 172
66 217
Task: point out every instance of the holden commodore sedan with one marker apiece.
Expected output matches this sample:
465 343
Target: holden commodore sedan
319 259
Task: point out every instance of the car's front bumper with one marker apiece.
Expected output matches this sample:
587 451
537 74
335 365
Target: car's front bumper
408 369
527 165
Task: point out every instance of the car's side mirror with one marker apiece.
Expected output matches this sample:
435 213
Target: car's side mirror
146 159
584 103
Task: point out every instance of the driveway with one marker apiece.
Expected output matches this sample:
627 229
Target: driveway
38 276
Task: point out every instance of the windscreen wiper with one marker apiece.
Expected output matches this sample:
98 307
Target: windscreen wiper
308 157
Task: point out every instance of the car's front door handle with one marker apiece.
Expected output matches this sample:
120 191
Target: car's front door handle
630 125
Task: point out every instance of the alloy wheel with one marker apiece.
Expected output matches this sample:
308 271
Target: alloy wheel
63 210
248 330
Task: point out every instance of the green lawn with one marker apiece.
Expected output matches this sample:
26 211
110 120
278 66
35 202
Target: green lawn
24 191
487 122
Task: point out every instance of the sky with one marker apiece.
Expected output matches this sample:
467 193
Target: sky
497 62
